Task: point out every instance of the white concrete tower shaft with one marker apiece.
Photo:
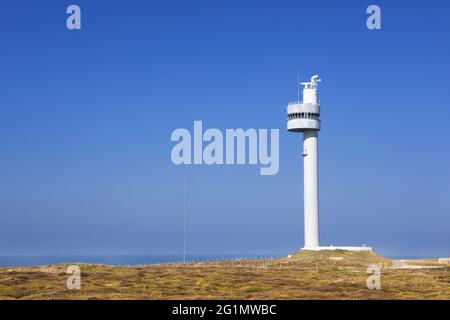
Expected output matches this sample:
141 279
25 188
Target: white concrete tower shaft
310 176
311 188
304 116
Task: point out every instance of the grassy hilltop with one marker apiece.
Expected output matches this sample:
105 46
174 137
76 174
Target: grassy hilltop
306 275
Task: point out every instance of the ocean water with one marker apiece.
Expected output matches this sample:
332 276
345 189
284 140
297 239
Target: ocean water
118 260
143 259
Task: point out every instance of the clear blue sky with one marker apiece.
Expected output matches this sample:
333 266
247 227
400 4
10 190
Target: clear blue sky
86 118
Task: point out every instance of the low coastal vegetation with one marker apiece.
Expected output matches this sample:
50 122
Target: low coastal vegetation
304 275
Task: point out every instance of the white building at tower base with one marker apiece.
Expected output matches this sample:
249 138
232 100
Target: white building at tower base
338 248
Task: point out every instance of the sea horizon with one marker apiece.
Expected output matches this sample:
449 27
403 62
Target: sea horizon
32 260
120 259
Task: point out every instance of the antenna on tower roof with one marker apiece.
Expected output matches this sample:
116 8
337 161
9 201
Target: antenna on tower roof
314 79
313 83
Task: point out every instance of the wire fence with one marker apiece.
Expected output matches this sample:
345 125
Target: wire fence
244 262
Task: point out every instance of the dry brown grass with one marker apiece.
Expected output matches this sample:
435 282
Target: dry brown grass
307 275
